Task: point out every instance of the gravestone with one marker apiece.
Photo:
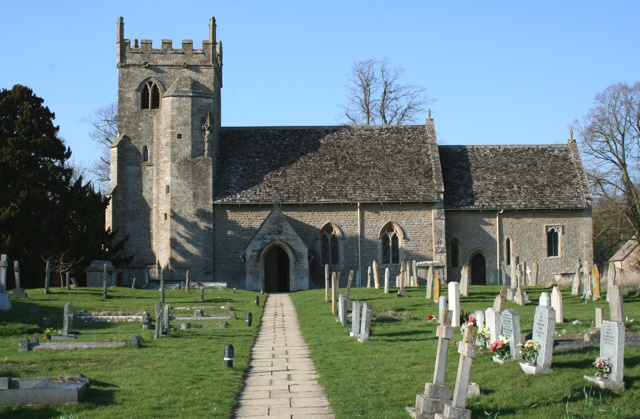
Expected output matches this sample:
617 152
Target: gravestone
611 347
4 264
18 291
74 284
342 310
401 291
146 320
104 281
544 300
365 324
376 276
544 329
556 304
386 281
575 286
414 269
509 294
67 319
47 278
587 293
326 282
611 277
355 319
158 330
457 408
349 286
599 317
534 274
479 315
167 319
429 282
514 273
616 305
454 303
442 304
334 285
498 303
187 282
202 294
511 331
464 281
595 275
436 393
494 323
133 283
436 287
520 297
369 277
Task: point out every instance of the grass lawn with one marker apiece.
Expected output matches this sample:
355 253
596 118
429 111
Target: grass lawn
179 376
380 377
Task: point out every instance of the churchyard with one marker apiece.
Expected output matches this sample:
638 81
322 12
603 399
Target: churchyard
180 375
380 377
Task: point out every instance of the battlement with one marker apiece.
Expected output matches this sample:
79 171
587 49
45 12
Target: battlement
143 53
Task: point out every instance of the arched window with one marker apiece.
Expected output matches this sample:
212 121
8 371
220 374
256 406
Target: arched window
145 153
507 251
390 245
455 253
553 242
150 96
329 245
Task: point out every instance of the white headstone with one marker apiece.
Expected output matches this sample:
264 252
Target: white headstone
376 276
616 305
442 305
544 300
556 304
369 277
511 330
4 263
454 303
429 282
365 323
464 281
342 310
386 281
534 274
599 317
612 347
494 323
544 329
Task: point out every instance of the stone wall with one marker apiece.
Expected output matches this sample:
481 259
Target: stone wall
236 225
476 232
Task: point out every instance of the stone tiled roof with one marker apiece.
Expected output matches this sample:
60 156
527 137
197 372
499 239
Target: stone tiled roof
327 164
627 249
513 177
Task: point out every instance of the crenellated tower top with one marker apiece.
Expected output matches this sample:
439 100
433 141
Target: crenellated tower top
143 54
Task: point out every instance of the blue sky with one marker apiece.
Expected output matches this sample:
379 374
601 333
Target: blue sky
500 72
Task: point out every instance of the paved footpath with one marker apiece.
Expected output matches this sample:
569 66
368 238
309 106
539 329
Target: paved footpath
282 381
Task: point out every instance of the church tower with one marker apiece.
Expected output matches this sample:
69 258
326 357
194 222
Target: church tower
163 162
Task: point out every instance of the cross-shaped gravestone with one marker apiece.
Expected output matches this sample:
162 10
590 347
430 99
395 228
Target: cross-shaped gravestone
436 393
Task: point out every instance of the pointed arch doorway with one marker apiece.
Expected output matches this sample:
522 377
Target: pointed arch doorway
478 270
276 270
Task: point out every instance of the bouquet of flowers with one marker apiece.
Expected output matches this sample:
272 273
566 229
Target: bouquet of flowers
603 367
431 318
48 332
471 321
529 351
483 336
501 348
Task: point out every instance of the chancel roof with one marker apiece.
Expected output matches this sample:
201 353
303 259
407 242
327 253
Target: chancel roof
328 164
513 177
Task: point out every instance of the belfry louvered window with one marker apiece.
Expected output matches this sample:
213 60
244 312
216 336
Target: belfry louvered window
150 96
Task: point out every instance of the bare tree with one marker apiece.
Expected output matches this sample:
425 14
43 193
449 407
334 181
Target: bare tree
610 135
104 122
377 95
61 263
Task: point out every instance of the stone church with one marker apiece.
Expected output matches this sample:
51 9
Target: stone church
268 207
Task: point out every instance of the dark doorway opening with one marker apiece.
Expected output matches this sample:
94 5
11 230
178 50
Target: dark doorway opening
478 270
276 270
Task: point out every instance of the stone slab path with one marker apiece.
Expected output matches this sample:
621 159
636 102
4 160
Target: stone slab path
282 381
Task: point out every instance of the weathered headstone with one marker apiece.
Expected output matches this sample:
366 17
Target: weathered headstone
556 304
369 277
4 264
611 277
167 318
575 286
457 408
376 276
429 282
436 393
349 286
186 282
494 323
534 274
612 348
67 319
158 330
595 277
386 281
401 291
479 315
334 285
326 282
74 284
342 310
464 281
146 320
47 278
599 317
355 319
514 274
202 294
544 329
414 269
511 330
454 303
18 291
520 297
498 303
104 281
616 305
436 287
509 294
442 303
365 325
587 293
